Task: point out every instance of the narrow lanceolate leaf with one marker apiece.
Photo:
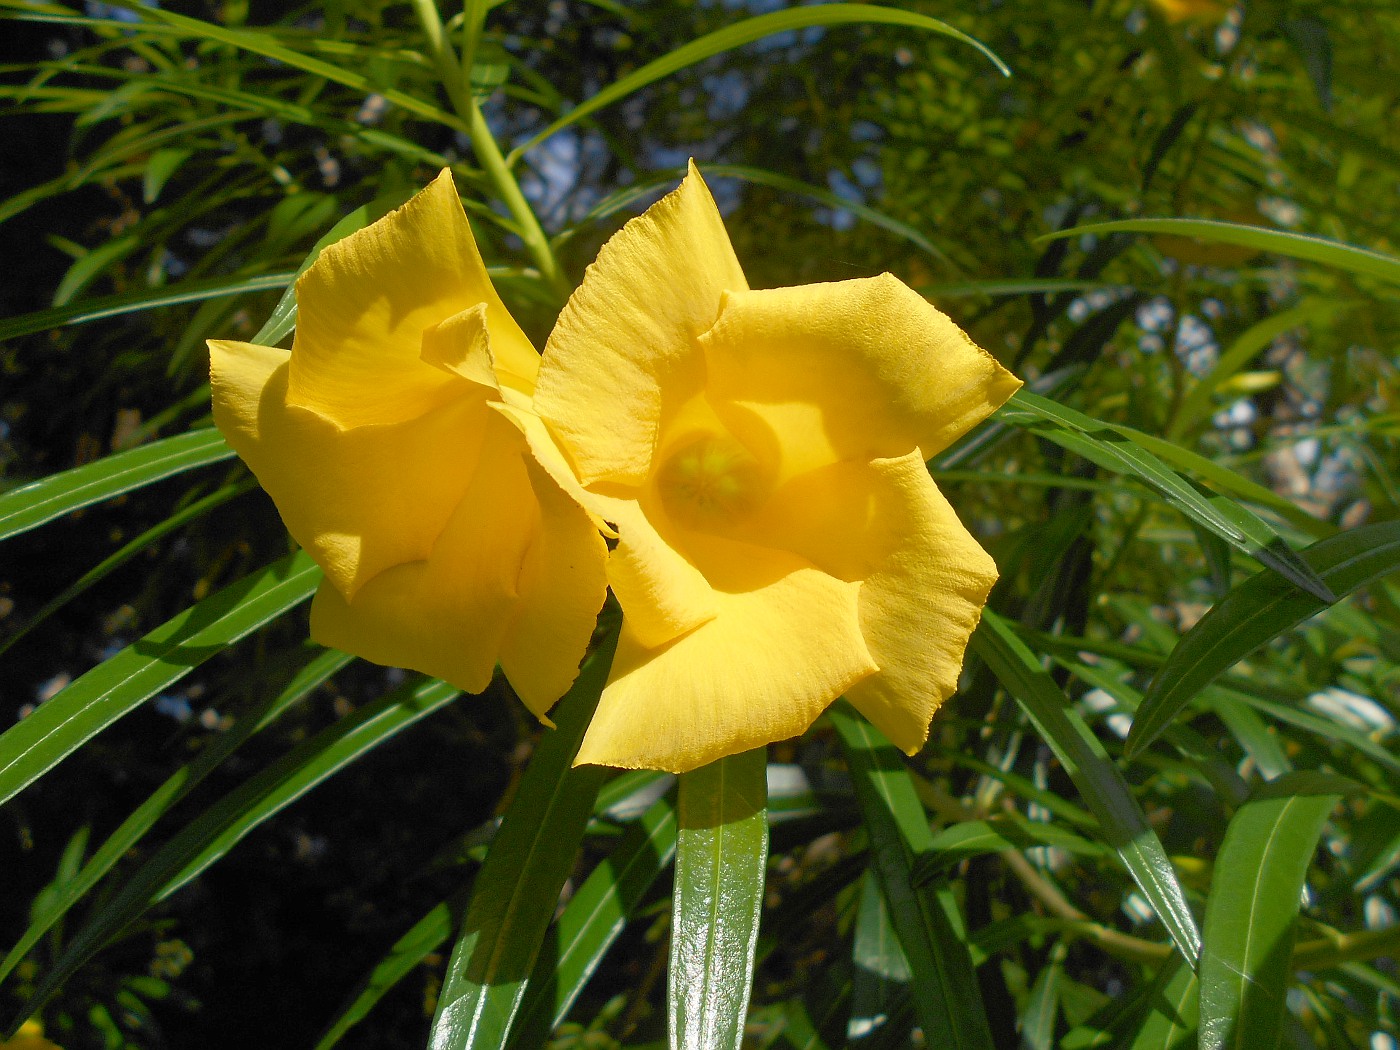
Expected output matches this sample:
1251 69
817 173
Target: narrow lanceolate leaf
209 836
129 550
1043 1004
974 838
746 32
1279 242
31 505
1174 1015
1252 912
134 302
593 919
425 937
881 977
1160 1015
1259 609
1118 449
721 862
117 686
180 784
947 998
519 884
1120 818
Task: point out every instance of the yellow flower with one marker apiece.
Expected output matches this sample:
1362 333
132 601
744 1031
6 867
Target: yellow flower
387 439
29 1037
761 455
1192 10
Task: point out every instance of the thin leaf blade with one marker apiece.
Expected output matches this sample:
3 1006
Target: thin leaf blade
1259 609
31 505
522 876
117 686
1280 242
1097 778
1252 912
721 861
946 994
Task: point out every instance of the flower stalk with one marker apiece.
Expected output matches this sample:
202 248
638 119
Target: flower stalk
455 75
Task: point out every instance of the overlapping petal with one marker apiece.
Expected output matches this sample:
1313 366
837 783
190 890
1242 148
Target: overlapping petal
360 501
393 439
562 584
887 371
768 663
920 605
761 455
363 306
447 614
623 352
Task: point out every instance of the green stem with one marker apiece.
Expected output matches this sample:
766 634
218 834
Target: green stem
1326 952
456 82
488 153
440 50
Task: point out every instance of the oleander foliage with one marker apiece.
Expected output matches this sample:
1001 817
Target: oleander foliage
1161 812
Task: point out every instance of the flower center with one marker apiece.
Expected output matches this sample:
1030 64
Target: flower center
710 480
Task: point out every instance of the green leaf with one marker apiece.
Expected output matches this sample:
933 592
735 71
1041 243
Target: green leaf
1241 352
135 302
974 838
179 785
263 43
1161 1015
128 551
1252 912
284 315
425 937
88 267
1294 245
1259 609
1043 1003
159 169
209 836
592 921
1173 1016
947 998
746 32
117 686
881 972
525 869
1121 820
1117 448
39 501
721 864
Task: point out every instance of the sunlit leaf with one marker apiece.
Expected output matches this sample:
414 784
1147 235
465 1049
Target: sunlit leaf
115 687
1252 911
1259 609
39 501
721 864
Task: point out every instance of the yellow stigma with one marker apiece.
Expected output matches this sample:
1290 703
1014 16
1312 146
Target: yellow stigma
710 480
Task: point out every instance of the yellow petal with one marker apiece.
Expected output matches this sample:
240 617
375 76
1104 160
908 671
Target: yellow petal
562 585
662 594
461 345
845 518
29 1037
359 501
546 453
623 352
784 643
918 609
886 370
447 614
364 304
